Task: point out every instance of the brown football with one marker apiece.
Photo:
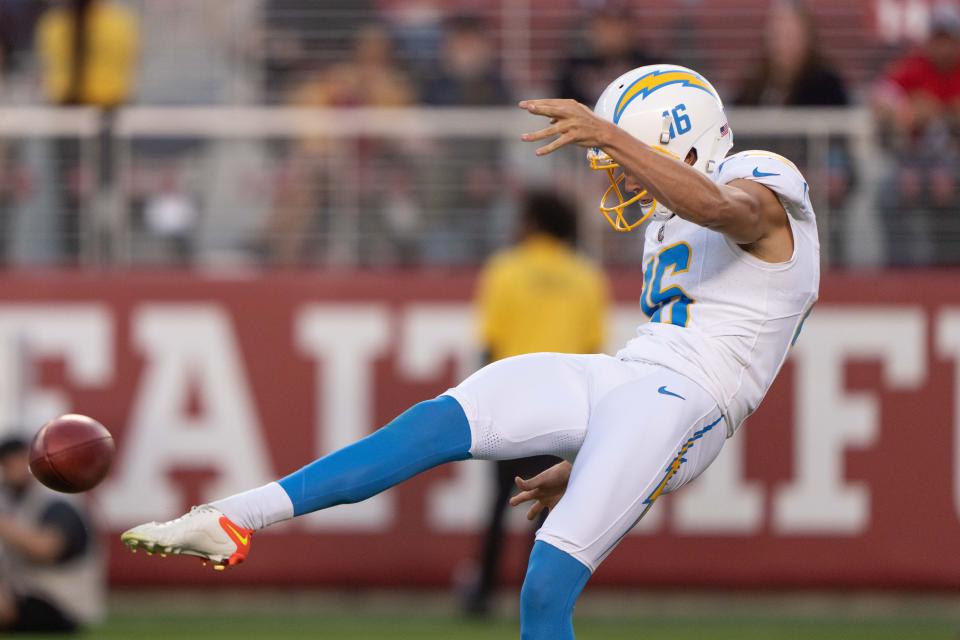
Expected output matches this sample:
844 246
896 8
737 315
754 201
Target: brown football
71 453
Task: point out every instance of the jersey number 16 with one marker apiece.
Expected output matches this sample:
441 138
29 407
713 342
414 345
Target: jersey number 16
670 304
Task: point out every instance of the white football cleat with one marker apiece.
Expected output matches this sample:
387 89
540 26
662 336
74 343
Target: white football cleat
203 532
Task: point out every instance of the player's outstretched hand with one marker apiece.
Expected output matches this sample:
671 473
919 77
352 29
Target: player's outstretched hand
571 121
545 488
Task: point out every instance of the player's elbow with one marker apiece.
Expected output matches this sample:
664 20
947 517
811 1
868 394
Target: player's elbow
741 219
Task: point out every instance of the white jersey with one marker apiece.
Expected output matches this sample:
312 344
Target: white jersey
718 315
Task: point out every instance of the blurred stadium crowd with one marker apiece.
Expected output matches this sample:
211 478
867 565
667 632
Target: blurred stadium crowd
258 198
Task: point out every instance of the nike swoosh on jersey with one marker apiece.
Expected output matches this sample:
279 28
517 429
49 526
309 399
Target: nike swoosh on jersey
663 390
762 174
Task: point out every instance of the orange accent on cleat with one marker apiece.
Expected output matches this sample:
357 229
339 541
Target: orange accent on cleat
241 537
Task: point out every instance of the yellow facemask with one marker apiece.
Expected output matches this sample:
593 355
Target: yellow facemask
614 213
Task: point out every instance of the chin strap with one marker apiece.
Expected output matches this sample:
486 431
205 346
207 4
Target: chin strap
665 129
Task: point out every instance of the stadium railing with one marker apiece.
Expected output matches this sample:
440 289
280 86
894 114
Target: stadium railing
350 186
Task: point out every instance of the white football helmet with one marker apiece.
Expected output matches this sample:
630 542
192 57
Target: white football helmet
673 110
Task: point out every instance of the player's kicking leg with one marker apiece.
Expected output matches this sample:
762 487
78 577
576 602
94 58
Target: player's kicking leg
529 405
426 435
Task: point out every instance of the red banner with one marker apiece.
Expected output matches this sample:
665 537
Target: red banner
847 475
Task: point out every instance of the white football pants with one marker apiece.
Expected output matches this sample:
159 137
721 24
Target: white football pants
633 431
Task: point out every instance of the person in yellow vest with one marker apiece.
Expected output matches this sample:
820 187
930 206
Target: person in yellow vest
52 574
540 295
89 51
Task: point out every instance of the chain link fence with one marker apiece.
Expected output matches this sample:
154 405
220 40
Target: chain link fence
297 132
371 187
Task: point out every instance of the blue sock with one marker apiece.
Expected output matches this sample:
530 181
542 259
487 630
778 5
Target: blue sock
553 584
424 436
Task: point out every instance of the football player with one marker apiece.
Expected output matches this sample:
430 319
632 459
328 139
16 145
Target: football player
730 271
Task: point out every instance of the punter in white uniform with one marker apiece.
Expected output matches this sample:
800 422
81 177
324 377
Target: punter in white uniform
730 271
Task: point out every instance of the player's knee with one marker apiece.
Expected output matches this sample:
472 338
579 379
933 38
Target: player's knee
426 421
538 595
425 435
552 585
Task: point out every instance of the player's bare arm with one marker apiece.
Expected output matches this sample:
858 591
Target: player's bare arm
746 212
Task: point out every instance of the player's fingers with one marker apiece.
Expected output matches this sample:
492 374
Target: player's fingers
524 496
539 480
535 510
532 484
562 141
543 107
541 134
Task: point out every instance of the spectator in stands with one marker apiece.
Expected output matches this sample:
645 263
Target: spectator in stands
52 576
300 35
18 19
417 27
611 49
540 295
921 90
463 224
370 77
918 104
792 70
468 72
89 51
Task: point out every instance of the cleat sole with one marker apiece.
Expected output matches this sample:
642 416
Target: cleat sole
219 562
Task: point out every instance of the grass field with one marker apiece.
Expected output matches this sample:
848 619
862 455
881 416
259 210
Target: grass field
279 617
277 626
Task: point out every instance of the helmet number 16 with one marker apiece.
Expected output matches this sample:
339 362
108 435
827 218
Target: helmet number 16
681 121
